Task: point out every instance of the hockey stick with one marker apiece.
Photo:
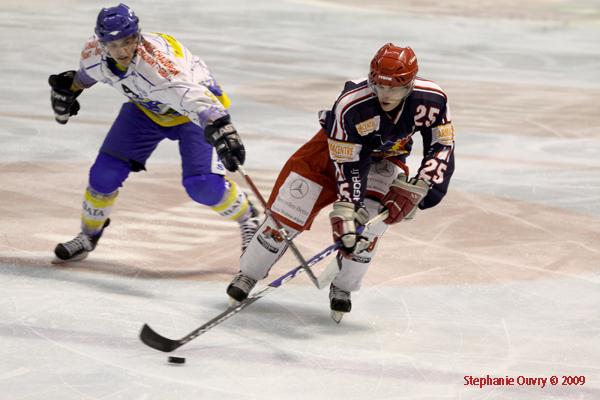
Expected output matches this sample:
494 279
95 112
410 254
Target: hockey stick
279 226
155 340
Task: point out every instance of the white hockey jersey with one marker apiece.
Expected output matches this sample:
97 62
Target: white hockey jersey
164 79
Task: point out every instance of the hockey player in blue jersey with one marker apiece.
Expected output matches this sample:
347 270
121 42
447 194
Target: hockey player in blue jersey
171 94
357 162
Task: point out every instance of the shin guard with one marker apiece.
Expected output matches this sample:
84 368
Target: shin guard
354 266
265 248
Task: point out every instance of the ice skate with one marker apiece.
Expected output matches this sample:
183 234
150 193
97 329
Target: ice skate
78 248
239 288
340 303
249 227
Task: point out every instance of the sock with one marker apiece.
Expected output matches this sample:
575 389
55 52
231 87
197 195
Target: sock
96 210
234 204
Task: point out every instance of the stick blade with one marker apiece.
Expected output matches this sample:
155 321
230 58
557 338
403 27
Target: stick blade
155 340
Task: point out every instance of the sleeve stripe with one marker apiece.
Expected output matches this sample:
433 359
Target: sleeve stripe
423 85
444 154
92 66
344 103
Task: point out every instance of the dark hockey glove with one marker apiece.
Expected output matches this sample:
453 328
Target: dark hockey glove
344 222
403 197
222 135
62 98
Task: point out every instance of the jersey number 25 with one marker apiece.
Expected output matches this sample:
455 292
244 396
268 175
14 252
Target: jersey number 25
433 171
426 115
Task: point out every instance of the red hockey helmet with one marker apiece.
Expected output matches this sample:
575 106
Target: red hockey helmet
393 66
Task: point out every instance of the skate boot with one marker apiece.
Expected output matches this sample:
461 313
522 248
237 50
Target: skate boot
249 227
78 248
239 288
339 302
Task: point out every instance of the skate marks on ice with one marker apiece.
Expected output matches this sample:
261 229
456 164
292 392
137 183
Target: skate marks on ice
478 105
486 239
529 109
565 11
158 231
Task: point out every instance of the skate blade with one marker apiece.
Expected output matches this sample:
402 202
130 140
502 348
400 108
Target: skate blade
58 261
337 316
233 302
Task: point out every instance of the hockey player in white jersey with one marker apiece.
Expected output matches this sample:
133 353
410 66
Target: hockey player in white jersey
171 94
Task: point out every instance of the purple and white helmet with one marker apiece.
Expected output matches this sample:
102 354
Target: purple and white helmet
116 22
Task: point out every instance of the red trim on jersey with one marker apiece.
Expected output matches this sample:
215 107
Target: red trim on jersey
434 87
345 107
349 105
447 154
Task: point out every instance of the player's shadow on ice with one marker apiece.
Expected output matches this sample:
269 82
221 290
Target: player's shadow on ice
289 320
127 269
139 272
97 274
101 272
97 281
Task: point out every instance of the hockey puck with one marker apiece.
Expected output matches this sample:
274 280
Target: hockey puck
176 360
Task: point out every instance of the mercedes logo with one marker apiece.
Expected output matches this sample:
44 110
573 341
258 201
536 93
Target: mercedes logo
299 188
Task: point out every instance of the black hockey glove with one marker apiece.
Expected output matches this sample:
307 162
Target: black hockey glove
62 98
228 144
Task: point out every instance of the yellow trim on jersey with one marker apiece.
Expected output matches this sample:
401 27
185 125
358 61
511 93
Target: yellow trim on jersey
175 45
120 67
211 96
164 120
224 99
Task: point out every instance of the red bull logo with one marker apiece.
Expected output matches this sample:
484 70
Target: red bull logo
271 233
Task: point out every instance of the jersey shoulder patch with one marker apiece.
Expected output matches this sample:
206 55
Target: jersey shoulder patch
91 48
368 126
443 134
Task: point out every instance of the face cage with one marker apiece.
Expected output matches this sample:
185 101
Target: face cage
137 35
403 91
